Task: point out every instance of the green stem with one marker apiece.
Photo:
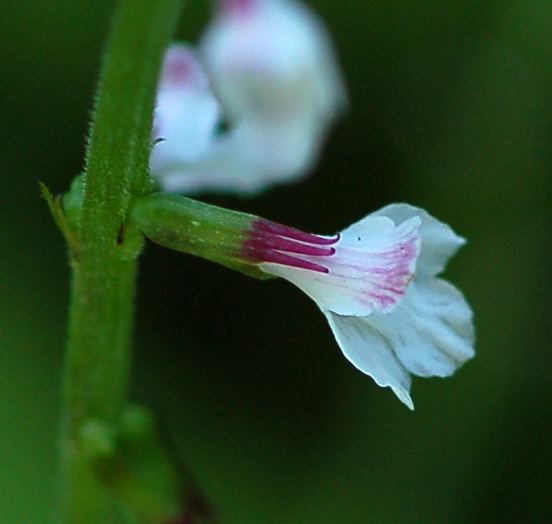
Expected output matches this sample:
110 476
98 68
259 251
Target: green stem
104 268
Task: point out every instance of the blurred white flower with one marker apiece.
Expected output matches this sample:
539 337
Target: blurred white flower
377 284
274 71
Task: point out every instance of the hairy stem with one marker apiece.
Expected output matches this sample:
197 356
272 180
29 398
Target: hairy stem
104 268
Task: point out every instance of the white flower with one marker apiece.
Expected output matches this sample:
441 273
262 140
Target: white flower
273 68
377 284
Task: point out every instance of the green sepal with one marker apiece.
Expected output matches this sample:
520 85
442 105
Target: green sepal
64 224
73 200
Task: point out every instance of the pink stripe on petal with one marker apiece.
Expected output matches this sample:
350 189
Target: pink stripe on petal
290 246
290 232
261 253
271 242
385 301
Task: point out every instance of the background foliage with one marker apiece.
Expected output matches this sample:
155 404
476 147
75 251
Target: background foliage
451 109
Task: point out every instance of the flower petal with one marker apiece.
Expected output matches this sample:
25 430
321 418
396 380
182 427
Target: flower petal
439 241
371 353
431 330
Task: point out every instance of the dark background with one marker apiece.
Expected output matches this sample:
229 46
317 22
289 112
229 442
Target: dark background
451 109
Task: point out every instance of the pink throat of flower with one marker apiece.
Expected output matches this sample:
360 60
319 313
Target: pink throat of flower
270 242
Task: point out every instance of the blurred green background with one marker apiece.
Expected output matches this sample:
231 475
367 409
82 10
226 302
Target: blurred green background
451 109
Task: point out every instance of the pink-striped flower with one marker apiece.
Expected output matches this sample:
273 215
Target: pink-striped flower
377 284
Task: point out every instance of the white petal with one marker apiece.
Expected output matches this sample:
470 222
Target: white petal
371 353
431 330
439 241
